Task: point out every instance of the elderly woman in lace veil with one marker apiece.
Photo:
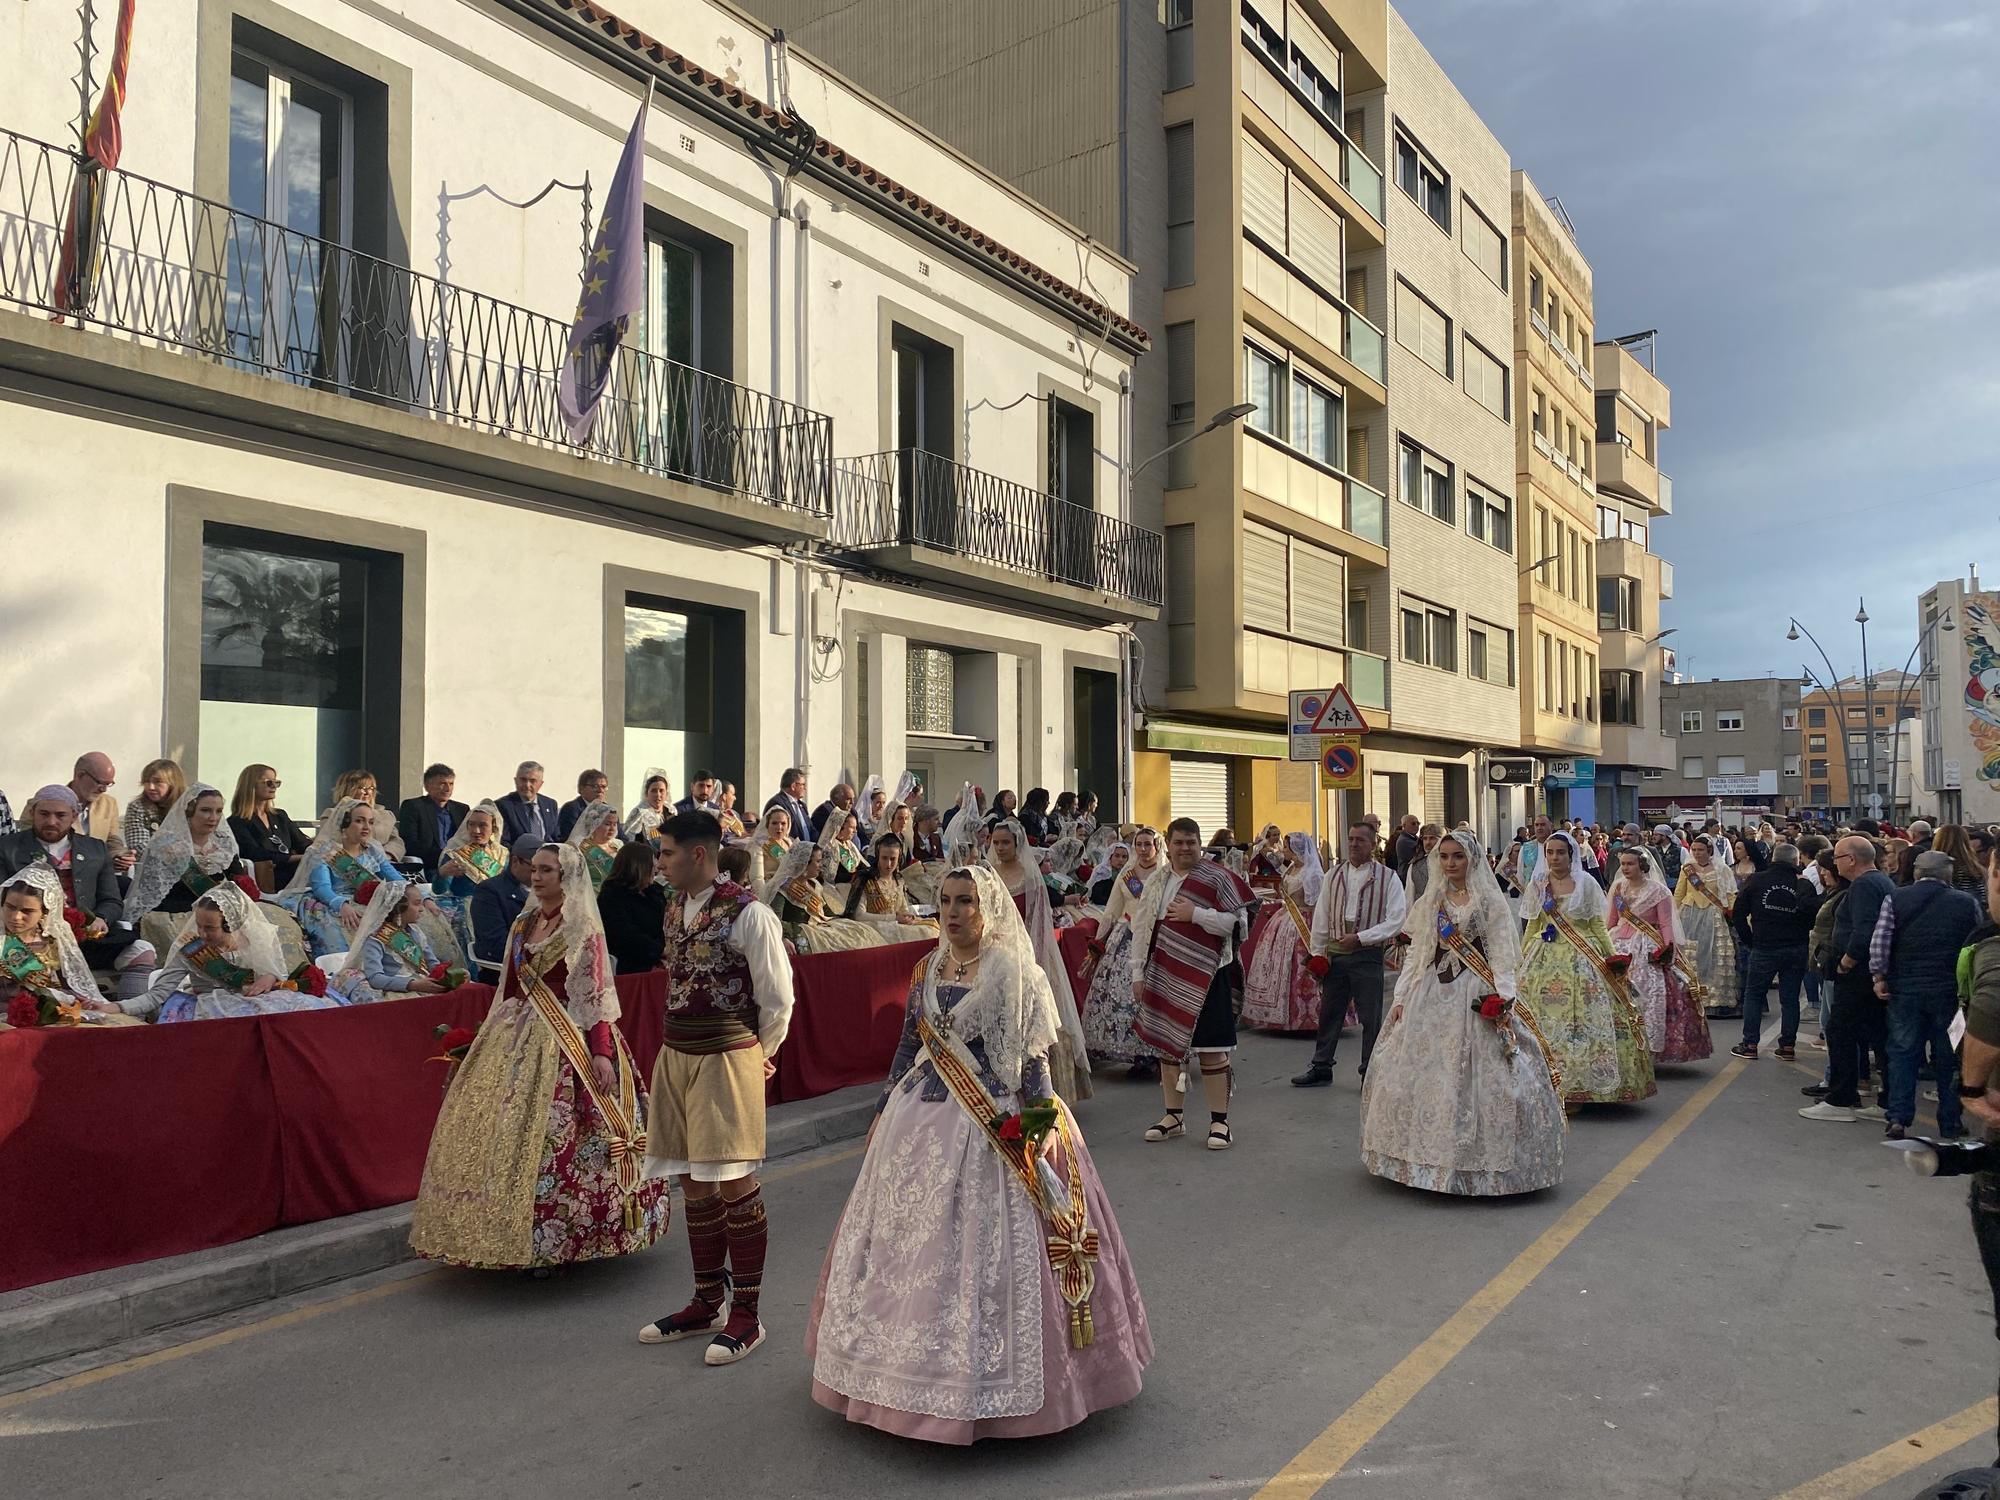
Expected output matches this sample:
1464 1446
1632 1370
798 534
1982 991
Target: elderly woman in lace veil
1704 897
538 1158
1110 1008
876 896
1574 983
1459 1097
797 895
226 961
472 856
41 967
595 837
1008 855
193 852
343 858
1646 929
977 1285
1281 984
390 956
644 820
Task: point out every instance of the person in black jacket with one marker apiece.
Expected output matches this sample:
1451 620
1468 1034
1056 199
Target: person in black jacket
1034 815
1773 919
1856 1020
634 908
498 902
428 822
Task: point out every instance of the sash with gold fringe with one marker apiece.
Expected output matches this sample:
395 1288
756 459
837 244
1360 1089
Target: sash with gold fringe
1618 984
1473 959
1681 966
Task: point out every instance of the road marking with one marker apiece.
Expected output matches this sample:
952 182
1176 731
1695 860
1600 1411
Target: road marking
1866 1475
306 1314
1326 1455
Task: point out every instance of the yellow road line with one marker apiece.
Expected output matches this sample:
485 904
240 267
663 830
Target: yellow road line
1866 1475
1326 1455
305 1314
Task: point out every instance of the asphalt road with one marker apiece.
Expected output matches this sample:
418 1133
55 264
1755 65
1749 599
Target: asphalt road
1764 1302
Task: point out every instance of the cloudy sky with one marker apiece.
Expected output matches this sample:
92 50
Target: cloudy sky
1801 196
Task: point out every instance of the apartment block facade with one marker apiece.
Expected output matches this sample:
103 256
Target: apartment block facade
854 500
1850 767
1737 745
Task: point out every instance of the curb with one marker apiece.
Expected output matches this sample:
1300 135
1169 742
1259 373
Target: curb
45 1323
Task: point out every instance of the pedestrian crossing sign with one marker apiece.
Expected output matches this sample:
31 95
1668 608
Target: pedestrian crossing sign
1338 715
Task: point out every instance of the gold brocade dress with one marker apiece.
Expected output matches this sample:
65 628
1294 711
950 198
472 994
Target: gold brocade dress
520 1173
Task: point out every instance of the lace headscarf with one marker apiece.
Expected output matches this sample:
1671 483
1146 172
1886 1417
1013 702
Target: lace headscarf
644 819
326 839
1581 904
383 901
1498 928
1310 869
1098 845
462 836
961 830
167 857
1064 855
42 880
906 788
589 995
1719 875
1648 897
590 820
790 868
1039 923
256 939
860 809
1009 1005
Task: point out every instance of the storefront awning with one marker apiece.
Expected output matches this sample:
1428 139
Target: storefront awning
1209 739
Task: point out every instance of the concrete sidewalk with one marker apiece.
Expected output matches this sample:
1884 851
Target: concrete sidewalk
40 1324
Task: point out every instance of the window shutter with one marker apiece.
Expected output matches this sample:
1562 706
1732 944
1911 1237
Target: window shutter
1264 195
1319 591
1180 372
1199 789
1315 242
1320 52
1436 349
1264 579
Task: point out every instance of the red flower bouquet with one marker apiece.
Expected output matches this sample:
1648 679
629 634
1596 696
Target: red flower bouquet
1618 963
308 979
1493 1008
1661 956
78 919
451 978
452 1042
1317 965
24 1011
1032 1122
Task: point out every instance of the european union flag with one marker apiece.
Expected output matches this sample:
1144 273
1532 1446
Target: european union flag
614 287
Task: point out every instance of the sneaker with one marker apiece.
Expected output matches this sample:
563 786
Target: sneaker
1894 1131
1744 1049
726 1350
1787 1054
1815 1091
1825 1111
1870 1112
1818 1044
1930 1096
1313 1078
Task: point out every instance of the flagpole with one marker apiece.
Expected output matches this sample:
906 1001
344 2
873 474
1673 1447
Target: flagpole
86 51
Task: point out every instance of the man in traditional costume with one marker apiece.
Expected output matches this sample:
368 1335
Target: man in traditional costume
1184 940
1360 911
729 1002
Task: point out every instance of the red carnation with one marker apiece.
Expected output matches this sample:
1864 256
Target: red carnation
367 890
1010 1128
1492 1008
1662 956
456 1037
24 1011
441 973
1083 872
310 979
78 919
1318 965
1618 963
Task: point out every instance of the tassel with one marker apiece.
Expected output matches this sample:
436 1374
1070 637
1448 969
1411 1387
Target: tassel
1089 1327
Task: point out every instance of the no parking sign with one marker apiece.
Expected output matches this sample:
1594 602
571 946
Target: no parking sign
1339 763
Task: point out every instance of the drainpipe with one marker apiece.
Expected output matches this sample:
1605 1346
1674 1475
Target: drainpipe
1126 810
802 569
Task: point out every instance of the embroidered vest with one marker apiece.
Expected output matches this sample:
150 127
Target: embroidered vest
711 1001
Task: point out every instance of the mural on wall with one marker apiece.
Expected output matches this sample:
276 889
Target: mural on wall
1981 625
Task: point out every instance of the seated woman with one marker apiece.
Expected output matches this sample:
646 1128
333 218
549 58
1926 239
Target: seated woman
726 813
471 856
344 857
226 962
940 1313
361 786
161 786
44 980
768 846
841 843
595 837
390 956
193 852
1280 983
1007 853
876 897
633 908
795 894
265 833
644 821
871 807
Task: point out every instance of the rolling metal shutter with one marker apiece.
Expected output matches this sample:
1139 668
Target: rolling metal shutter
1434 808
1200 789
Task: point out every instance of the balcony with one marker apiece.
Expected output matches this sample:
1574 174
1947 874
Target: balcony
1281 474
1666 579
1319 313
259 321
1623 470
1286 106
1368 679
1665 504
925 516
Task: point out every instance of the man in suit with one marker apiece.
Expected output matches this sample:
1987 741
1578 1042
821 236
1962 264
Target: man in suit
591 786
839 802
525 810
498 902
791 796
427 822
90 883
701 795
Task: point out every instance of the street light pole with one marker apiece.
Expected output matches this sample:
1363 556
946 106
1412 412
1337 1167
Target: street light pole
1831 687
1868 698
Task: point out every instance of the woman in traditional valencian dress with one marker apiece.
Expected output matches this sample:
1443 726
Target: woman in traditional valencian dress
344 857
768 847
876 897
1007 853
41 967
538 1156
977 1286
1280 982
1458 1097
1645 928
644 821
226 962
390 956
840 849
799 899
1704 896
1574 984
1111 1008
595 837
471 856
1267 864
193 852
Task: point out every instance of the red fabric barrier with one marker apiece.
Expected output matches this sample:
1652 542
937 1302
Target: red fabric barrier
847 1018
129 1143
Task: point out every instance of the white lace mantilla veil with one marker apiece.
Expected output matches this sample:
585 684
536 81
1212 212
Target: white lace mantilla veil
167 856
257 940
1009 1004
1312 871
1498 927
1039 923
1098 846
588 992
906 787
961 832
643 820
1644 893
869 788
1583 903
47 886
326 839
462 835
590 820
387 896
790 868
1064 855
1719 876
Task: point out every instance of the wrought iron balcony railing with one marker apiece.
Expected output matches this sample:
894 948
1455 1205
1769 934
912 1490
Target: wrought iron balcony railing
164 267
912 498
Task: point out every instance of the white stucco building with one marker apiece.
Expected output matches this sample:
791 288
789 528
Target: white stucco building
297 484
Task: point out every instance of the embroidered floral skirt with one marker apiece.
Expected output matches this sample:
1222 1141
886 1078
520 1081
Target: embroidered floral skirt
1109 1010
1676 1029
1711 948
937 1316
226 1005
1597 1038
519 1172
1279 991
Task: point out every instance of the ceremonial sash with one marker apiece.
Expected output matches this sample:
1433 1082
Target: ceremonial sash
211 961
1680 961
407 949
1071 1242
812 904
1298 917
199 882
1697 888
20 963
350 870
627 1141
1474 960
1618 984
598 859
473 863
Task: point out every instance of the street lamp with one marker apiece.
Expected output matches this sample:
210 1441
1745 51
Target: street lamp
1831 687
1222 418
